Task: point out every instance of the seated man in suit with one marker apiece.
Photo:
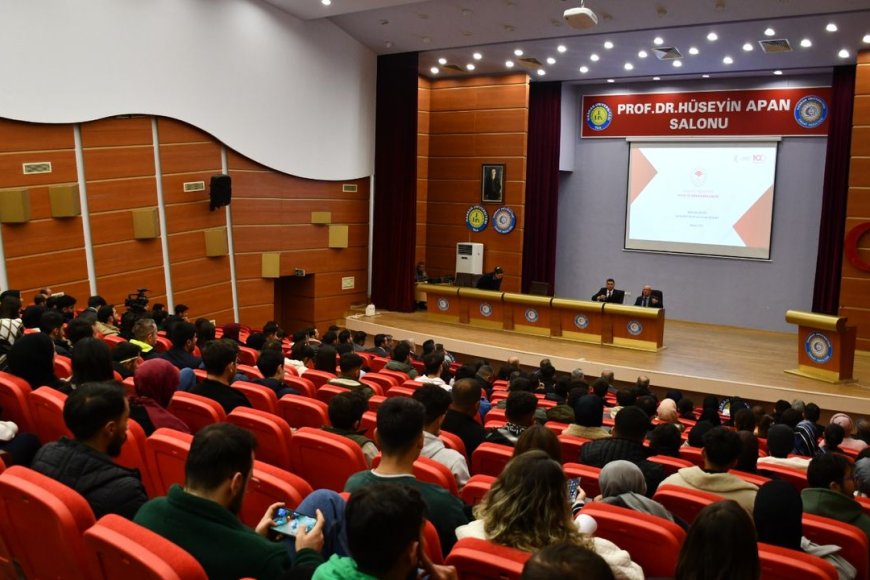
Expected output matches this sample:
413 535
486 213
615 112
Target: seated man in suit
609 293
648 299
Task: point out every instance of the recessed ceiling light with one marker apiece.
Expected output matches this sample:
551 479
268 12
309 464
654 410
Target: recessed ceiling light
551 60
442 61
705 76
769 31
658 41
470 66
831 27
611 81
712 37
561 48
608 45
584 69
866 39
434 70
693 50
642 54
541 72
728 60
777 72
806 43
593 57
748 47
388 44
518 52
326 2
509 63
657 78
477 56
628 66
843 53
678 63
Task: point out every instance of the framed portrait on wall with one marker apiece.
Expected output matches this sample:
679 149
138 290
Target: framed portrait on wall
492 183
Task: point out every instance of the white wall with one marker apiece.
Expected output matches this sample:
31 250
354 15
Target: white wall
295 96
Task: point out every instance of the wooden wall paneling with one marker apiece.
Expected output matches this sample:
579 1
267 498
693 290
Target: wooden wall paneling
127 256
18 136
200 273
237 162
173 188
476 145
861 110
175 131
248 265
40 205
335 307
116 287
257 314
861 141
122 194
117 132
470 168
279 238
485 97
56 270
443 236
206 299
492 121
186 217
190 158
257 212
854 291
858 202
63 168
256 291
859 172
334 260
257 184
851 271
43 237
111 227
480 81
329 283
119 162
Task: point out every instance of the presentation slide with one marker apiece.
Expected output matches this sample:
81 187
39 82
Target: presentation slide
711 198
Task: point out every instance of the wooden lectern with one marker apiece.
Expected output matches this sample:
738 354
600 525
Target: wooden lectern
633 327
481 308
527 314
442 302
826 347
576 320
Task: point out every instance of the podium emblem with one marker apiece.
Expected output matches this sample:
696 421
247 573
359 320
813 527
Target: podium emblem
486 309
532 315
581 322
443 304
819 348
634 327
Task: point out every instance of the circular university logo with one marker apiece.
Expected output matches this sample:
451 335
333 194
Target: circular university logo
819 348
532 315
443 304
504 220
486 309
476 218
580 321
598 117
810 112
634 327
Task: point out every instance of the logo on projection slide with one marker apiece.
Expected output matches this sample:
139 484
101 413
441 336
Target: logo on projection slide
486 309
698 177
581 322
819 348
504 220
634 327
810 112
443 304
598 117
532 315
476 218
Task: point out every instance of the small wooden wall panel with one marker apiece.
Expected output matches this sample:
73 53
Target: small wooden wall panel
190 158
122 194
120 162
117 132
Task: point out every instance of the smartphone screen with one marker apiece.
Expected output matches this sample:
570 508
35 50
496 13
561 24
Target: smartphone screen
287 522
573 485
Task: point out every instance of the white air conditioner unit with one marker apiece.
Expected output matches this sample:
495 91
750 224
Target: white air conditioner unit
469 258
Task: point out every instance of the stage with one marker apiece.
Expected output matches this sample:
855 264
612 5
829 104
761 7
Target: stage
698 358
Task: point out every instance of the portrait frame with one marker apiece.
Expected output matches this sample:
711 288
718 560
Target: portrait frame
492 189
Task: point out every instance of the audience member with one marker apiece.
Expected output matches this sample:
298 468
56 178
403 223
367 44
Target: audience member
182 311
270 331
301 357
861 472
324 358
696 435
32 359
345 414
790 417
665 439
437 401
780 444
562 412
511 366
721 545
807 432
91 363
345 344
542 438
96 414
710 411
232 331
31 315
844 421
51 324
566 560
359 341
350 366
622 484
830 491
155 381
460 418
90 313
221 359
270 363
686 409
78 329
380 347
399 360
180 354
520 413
433 363
667 413
834 435
145 337
588 419
205 332
107 318
11 326
744 422
125 359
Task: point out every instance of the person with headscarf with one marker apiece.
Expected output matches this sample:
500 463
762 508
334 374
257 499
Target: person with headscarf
155 381
696 435
32 359
710 411
778 514
667 413
622 484
845 421
588 418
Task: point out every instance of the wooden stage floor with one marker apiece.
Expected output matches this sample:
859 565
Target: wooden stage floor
700 358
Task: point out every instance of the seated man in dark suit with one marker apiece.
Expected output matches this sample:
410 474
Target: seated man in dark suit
492 280
609 293
648 299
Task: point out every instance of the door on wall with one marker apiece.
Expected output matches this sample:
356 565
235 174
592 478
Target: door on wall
294 302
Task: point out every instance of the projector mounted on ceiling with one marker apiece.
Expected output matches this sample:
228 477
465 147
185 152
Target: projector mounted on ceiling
580 17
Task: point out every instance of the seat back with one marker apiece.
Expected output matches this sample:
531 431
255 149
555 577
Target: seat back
571 445
112 340
476 559
432 543
62 366
475 488
753 478
46 410
374 385
43 523
268 485
412 384
250 371
368 423
319 378
683 501
13 401
384 381
490 458
375 402
794 476
326 392
556 427
588 477
377 363
692 454
851 540
653 542
301 411
783 564
429 470
260 396
496 414
300 384
248 355
134 455
398 375
452 441
118 548
167 454
272 432
196 411
400 392
671 464
325 460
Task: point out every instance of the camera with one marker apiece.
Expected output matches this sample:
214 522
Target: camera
137 302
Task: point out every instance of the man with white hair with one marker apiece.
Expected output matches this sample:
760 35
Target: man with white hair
647 299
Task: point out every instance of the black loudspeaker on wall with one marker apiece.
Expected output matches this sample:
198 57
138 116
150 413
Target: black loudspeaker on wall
220 191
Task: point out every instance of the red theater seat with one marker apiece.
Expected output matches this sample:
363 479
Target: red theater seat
301 411
490 458
272 432
196 411
482 560
324 459
588 477
475 488
319 378
851 540
784 564
260 396
683 501
269 485
167 453
13 401
46 409
304 386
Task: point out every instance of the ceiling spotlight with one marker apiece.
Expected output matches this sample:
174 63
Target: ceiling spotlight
866 39
561 48
657 78
678 63
705 76
541 72
580 17
594 57
509 63
693 50
477 56
642 54
806 43
551 60
326 2
843 53
469 66
712 37
777 72
658 41
608 45
442 61
388 44
518 52
611 81
748 47
769 31
831 27
434 70
727 60
629 66
584 69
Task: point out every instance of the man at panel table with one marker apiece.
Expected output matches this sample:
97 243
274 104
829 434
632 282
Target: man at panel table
647 298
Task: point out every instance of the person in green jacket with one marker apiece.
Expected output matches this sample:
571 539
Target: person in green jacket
831 489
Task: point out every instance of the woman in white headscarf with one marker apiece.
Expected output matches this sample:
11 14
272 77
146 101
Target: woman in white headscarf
622 484
845 421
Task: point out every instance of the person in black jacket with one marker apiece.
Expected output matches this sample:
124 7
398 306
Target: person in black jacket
221 359
491 280
97 414
183 337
